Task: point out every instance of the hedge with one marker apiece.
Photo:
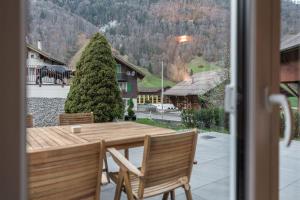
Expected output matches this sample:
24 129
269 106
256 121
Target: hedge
209 118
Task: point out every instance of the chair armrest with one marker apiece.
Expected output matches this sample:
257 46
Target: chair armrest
123 162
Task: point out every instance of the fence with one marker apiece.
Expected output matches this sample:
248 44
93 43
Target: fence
50 75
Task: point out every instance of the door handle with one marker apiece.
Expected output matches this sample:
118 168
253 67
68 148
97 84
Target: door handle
282 101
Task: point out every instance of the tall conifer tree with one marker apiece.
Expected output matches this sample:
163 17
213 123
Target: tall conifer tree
94 87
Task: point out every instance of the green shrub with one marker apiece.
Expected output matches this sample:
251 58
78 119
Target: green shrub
208 118
296 124
188 118
130 111
94 87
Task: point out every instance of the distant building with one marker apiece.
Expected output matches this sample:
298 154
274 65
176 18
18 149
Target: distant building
185 95
151 95
37 57
290 66
127 75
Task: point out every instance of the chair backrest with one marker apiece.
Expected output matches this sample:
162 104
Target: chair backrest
168 158
29 121
66 173
76 118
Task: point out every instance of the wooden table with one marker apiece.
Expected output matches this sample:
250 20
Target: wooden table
115 134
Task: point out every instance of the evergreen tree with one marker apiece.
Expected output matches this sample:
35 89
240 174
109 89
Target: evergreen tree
94 87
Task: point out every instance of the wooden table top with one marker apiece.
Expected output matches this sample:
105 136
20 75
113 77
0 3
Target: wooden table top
116 134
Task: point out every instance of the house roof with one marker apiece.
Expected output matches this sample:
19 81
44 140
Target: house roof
290 42
199 84
152 90
120 59
45 54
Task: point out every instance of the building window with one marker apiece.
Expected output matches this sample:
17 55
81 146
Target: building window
32 56
118 68
123 86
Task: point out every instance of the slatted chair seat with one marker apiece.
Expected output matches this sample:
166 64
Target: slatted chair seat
66 173
167 165
76 118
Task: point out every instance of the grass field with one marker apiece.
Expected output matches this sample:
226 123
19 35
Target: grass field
198 64
153 81
293 101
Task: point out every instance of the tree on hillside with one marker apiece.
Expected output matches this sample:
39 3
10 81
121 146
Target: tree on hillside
94 87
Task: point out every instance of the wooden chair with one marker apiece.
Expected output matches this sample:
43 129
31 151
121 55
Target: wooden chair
82 118
66 173
76 118
29 121
167 165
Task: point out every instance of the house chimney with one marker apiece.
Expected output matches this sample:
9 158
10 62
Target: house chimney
39 45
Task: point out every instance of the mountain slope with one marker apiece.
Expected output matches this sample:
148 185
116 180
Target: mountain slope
60 31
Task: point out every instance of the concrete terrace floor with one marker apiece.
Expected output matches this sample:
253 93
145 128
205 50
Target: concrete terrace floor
210 178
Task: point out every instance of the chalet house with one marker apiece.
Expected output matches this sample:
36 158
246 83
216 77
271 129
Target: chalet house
127 76
290 66
184 95
151 95
36 57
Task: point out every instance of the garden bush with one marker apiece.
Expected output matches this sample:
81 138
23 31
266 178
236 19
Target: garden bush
296 124
208 118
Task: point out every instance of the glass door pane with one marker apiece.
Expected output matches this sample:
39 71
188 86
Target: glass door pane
160 64
290 86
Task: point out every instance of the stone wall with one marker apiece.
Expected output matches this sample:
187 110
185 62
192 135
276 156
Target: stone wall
45 111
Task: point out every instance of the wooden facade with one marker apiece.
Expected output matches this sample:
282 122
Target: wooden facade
290 66
185 102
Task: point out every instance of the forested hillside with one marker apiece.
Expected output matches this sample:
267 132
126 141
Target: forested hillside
61 32
145 30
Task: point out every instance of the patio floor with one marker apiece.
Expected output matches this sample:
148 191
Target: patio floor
210 178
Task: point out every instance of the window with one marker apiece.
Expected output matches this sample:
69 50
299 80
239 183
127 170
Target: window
119 68
123 86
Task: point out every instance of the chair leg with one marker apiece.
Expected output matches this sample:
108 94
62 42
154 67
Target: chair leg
128 186
119 186
165 196
188 193
172 194
126 152
106 168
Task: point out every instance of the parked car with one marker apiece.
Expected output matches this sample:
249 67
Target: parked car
165 107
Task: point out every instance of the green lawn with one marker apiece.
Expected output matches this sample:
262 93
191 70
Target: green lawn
293 101
158 123
153 81
198 64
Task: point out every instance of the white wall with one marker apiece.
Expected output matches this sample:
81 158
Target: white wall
47 91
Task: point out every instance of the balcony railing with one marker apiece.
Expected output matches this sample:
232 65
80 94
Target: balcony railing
122 76
48 75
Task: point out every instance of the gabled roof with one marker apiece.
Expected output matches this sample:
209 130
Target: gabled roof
120 59
290 42
152 90
198 84
45 54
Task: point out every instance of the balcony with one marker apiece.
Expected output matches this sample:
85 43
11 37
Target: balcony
122 76
47 75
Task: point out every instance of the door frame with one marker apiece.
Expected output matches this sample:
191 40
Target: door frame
12 101
261 32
